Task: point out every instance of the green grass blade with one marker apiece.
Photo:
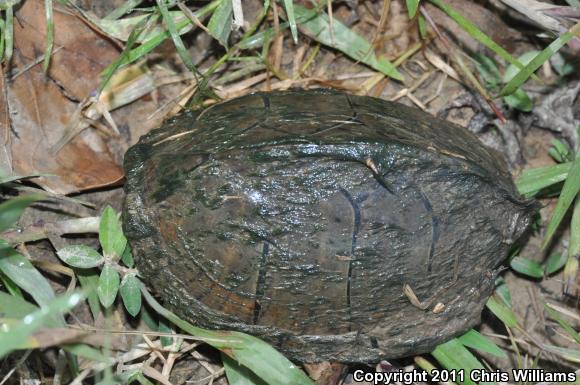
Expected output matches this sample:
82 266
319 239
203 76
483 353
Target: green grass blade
555 262
13 338
19 269
565 325
163 327
501 311
502 292
238 374
8 34
123 9
527 267
574 248
513 70
155 40
173 32
121 29
2 38
49 33
15 307
533 180
560 152
477 34
412 6
538 60
473 339
257 40
220 24
108 72
289 6
11 209
88 352
317 26
488 70
10 286
567 196
249 351
422 27
452 355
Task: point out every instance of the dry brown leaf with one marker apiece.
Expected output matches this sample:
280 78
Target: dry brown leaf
42 106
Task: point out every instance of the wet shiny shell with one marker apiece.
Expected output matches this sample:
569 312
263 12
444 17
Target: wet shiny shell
300 216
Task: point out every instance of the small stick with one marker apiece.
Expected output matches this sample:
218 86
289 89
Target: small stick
42 230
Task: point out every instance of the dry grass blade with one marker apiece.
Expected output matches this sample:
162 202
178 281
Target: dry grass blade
535 11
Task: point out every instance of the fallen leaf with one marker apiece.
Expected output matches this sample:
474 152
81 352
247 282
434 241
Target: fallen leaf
42 106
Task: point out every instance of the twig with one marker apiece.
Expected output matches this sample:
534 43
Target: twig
42 230
20 362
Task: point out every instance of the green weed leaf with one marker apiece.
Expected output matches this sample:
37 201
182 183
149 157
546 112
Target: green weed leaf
111 235
108 285
80 256
131 293
220 24
127 257
519 100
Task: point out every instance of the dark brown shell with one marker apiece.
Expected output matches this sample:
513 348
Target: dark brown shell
299 216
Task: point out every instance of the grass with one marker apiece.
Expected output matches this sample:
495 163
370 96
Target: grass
109 275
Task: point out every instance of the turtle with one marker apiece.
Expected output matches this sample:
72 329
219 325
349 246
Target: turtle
336 227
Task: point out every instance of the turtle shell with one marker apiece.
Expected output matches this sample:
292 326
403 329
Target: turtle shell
334 226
